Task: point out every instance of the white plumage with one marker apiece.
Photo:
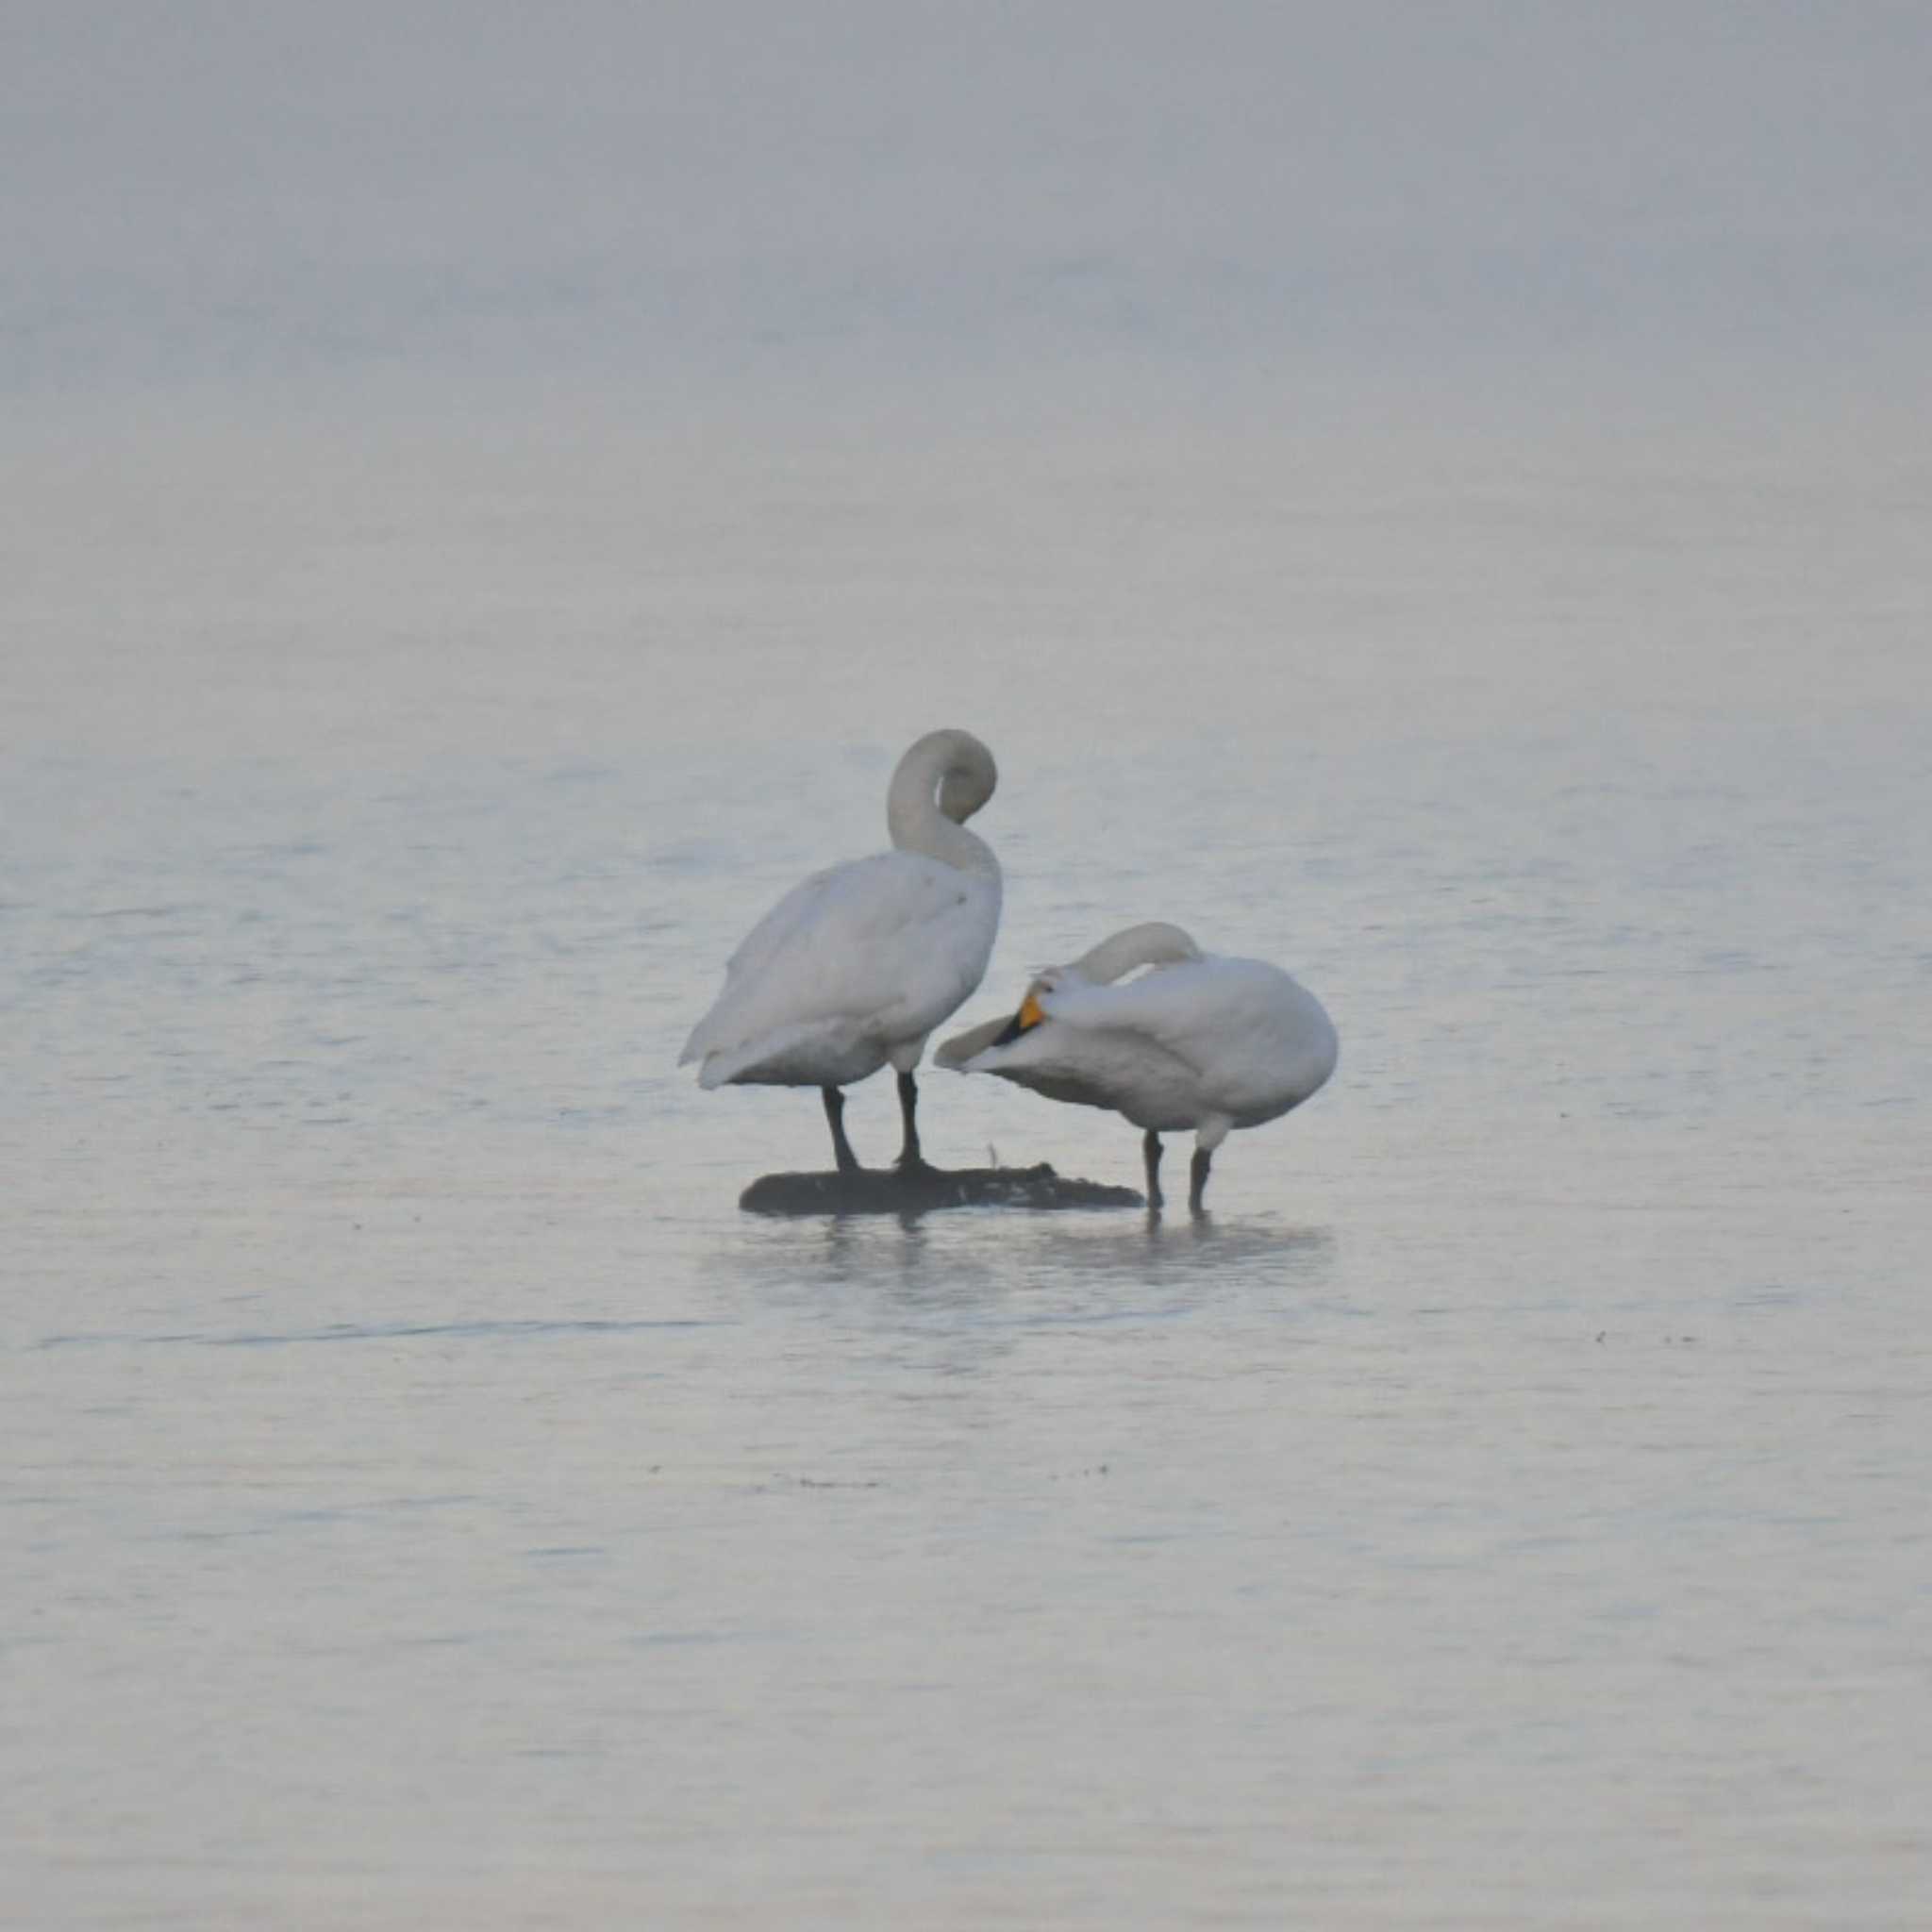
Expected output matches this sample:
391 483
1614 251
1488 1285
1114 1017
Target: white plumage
857 964
1199 1041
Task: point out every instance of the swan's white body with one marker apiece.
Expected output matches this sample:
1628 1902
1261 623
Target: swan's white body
857 964
1199 1041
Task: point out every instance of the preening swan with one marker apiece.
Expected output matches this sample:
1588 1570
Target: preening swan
855 965
1199 1041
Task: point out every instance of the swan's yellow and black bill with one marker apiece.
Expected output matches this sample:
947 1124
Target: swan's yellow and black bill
1030 1015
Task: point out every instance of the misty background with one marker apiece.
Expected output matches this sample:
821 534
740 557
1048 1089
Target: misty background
387 340
1230 193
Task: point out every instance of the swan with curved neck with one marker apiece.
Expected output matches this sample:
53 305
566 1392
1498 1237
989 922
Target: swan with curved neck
857 964
1197 1040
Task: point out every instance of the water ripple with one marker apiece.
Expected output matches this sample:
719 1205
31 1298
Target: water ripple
369 1331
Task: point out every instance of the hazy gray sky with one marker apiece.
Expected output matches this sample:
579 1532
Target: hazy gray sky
204 187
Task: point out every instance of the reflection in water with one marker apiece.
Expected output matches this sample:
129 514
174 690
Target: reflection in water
1186 1241
995 1316
775 1263
990 1268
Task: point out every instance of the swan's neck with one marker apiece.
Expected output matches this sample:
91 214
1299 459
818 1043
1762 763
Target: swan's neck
1156 944
958 761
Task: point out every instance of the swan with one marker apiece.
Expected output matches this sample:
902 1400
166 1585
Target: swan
857 964
1200 1042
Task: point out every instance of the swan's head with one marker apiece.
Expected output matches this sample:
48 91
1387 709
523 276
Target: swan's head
959 1052
968 777
954 761
941 782
1031 1012
1155 944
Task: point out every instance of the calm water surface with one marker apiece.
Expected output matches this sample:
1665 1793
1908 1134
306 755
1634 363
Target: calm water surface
428 1500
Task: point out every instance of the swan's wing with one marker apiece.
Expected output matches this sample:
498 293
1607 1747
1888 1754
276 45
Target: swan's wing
1113 1067
811 900
886 946
1239 1024
1173 1006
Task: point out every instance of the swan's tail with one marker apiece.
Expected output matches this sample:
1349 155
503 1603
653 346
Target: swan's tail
784 1057
703 1046
713 1033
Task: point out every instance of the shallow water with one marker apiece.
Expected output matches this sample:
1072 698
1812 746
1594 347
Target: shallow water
429 1501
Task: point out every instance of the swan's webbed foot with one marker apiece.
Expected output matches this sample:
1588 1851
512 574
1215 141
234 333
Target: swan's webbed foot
834 1113
1198 1180
1150 1148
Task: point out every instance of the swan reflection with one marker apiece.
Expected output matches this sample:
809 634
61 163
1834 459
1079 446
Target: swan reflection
995 1267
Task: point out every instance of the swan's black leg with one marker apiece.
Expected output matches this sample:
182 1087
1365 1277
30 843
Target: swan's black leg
910 1159
1197 1180
1150 1146
841 1147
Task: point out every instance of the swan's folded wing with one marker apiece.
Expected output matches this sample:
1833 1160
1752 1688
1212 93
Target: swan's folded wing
891 943
1247 1031
1079 1003
748 964
1199 1011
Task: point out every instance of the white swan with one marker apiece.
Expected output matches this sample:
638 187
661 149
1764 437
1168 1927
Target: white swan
855 965
1200 1042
